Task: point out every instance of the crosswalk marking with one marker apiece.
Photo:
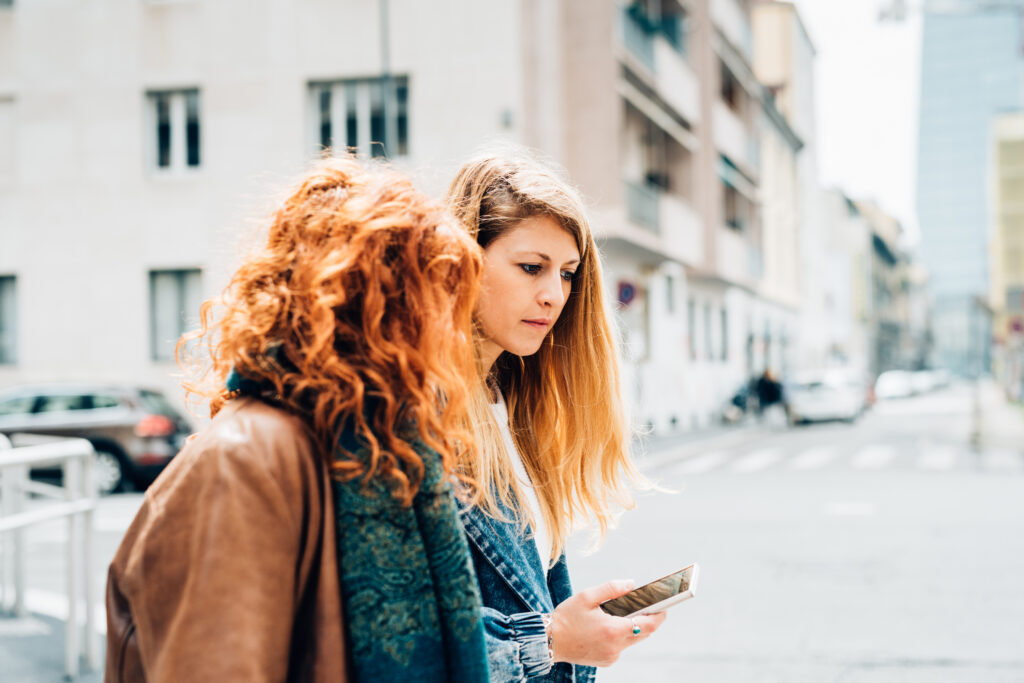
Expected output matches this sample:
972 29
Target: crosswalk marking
1002 460
873 457
937 458
757 460
931 457
814 457
702 463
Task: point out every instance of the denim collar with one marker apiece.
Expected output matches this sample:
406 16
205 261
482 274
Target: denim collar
513 557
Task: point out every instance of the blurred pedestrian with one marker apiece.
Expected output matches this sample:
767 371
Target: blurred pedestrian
769 393
552 444
309 532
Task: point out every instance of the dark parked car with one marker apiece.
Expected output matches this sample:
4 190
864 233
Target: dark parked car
135 431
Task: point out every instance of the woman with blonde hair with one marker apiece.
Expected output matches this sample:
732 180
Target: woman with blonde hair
551 437
309 532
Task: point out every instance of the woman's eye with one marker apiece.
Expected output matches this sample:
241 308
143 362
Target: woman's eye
530 268
568 275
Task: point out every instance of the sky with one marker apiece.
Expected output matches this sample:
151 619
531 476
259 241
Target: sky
867 80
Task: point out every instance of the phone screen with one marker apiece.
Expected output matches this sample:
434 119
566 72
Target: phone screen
650 593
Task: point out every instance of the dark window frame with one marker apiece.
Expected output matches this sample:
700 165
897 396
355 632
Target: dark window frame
157 352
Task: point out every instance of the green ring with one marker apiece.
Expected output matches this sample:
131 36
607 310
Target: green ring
636 630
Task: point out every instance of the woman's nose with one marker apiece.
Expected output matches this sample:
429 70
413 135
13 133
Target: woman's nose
551 293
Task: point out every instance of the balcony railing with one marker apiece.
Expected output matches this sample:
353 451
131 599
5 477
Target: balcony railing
638 38
642 203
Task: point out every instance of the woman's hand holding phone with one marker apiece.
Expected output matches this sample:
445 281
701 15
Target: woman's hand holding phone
583 633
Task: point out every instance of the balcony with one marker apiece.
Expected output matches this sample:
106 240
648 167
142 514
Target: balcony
734 256
676 81
643 205
734 23
732 139
682 229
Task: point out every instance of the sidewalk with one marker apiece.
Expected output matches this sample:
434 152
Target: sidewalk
32 651
1000 422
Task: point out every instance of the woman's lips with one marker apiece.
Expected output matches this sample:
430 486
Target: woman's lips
539 324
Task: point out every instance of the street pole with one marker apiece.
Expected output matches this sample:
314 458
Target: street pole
390 141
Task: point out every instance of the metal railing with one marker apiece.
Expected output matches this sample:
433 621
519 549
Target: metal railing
76 501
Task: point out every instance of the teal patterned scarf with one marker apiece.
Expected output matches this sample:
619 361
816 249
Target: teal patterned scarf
412 604
411 601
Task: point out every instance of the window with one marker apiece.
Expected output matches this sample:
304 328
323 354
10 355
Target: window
708 352
6 3
176 129
61 403
730 87
18 405
173 305
8 148
674 25
733 207
670 294
99 401
725 335
157 404
691 328
369 116
8 320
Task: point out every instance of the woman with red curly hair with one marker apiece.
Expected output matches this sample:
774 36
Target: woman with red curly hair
309 531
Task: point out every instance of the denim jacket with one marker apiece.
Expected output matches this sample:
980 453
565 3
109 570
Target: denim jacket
516 591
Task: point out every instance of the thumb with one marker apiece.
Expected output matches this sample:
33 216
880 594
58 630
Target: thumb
608 591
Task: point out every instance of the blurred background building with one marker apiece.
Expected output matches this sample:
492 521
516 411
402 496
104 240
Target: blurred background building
141 142
972 68
1007 252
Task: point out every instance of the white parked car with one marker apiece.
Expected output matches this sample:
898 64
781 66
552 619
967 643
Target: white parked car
896 384
826 395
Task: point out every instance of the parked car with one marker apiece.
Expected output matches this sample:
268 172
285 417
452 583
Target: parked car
135 431
826 395
895 384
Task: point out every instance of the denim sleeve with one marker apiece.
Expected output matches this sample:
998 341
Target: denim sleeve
517 646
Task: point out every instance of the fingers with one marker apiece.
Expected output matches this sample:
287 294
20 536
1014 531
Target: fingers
607 591
647 624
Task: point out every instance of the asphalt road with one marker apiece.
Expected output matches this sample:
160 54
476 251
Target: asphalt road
886 550
881 551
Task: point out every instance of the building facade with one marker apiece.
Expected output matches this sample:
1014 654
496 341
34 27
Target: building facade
1006 286
971 68
784 63
143 144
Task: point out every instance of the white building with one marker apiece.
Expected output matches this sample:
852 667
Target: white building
847 283
784 62
141 144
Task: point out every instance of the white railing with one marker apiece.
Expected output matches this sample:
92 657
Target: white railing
677 82
76 501
642 205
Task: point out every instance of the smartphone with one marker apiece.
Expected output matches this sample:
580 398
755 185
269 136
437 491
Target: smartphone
656 596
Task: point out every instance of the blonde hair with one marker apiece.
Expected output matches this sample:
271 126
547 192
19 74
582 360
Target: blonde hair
564 403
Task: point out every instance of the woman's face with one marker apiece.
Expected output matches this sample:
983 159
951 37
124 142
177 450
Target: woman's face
527 278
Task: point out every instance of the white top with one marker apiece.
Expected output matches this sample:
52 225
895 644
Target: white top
541 537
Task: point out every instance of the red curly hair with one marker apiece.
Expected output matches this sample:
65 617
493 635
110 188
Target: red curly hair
357 313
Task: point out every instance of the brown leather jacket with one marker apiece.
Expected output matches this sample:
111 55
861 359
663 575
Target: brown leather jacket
229 572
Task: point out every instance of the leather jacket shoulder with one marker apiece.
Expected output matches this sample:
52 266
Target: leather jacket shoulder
229 570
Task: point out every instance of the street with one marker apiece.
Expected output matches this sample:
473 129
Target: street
885 550
880 551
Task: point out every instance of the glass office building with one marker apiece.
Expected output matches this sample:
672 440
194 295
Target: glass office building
972 67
